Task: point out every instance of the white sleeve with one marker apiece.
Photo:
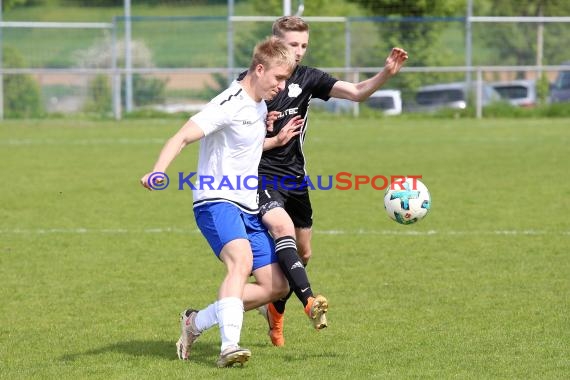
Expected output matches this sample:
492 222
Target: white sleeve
211 119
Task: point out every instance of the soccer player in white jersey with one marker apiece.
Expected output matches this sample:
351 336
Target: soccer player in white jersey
231 130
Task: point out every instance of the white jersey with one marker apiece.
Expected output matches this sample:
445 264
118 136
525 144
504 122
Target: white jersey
234 129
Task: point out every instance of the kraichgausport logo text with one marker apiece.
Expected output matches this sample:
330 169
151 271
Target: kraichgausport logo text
338 181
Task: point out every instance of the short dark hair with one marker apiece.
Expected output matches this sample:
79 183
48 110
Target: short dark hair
289 24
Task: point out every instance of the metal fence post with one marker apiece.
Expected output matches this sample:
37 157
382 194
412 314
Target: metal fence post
128 59
348 61
116 76
468 43
1 68
479 104
230 37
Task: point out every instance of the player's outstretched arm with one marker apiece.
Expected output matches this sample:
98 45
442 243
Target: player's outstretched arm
189 133
359 92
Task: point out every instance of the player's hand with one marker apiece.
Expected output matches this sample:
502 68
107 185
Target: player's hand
290 130
395 60
144 181
271 117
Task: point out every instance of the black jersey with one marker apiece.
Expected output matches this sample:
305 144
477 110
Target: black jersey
305 83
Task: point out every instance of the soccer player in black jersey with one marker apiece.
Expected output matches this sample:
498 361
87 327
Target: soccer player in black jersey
284 203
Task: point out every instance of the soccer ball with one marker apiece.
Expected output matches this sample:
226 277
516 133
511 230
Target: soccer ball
407 201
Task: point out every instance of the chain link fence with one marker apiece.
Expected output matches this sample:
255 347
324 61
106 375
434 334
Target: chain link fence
180 62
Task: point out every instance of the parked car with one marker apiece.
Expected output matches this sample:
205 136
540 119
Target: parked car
389 101
333 105
451 95
520 93
560 89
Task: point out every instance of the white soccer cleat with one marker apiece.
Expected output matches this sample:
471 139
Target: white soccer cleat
189 333
233 355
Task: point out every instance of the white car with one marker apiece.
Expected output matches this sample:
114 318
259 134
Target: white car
451 95
521 93
389 101
333 105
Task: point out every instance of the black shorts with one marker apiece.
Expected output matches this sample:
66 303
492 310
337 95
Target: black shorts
297 204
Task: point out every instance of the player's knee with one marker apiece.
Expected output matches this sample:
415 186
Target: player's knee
278 230
304 254
283 291
241 269
280 288
278 223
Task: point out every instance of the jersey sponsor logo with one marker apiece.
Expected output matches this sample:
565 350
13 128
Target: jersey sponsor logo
289 111
294 90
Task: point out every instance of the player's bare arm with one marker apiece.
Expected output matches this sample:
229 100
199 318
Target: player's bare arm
189 133
290 130
361 91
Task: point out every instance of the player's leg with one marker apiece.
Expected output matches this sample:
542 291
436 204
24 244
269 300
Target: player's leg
270 282
282 229
223 227
304 236
238 259
299 208
283 232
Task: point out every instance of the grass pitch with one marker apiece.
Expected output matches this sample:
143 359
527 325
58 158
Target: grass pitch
95 269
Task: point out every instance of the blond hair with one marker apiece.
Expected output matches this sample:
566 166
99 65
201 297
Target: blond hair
272 52
289 24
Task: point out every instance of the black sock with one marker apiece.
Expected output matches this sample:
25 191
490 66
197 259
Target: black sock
280 303
294 270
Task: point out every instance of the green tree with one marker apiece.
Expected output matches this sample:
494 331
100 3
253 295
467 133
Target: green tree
327 42
516 43
9 4
146 89
99 95
419 37
21 92
423 28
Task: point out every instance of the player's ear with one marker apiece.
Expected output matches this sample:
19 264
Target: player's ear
259 69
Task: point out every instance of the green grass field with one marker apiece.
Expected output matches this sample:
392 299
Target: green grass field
94 269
